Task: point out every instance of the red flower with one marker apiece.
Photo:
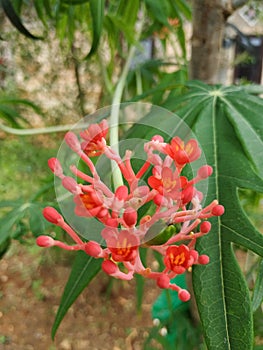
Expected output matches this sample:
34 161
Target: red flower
179 258
123 246
94 137
182 153
90 204
168 184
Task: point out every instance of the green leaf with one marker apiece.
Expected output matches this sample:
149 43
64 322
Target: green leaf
258 289
120 24
128 10
97 15
84 269
4 246
159 10
15 19
228 124
37 222
74 2
8 222
183 8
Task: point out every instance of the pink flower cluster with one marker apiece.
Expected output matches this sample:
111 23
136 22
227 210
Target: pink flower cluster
174 201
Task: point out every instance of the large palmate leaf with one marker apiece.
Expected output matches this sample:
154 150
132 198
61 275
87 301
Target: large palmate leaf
228 123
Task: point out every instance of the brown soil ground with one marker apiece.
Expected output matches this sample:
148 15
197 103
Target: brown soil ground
31 284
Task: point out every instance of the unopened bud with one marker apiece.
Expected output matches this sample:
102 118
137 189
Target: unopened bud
52 215
218 210
45 241
93 248
109 267
203 259
187 195
71 185
205 171
72 141
194 255
130 217
157 138
205 226
121 192
55 166
184 295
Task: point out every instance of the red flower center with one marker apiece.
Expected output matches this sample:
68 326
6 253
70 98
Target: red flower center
178 258
88 201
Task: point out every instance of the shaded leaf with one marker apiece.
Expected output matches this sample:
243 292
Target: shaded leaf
37 222
15 19
97 15
159 10
258 289
8 221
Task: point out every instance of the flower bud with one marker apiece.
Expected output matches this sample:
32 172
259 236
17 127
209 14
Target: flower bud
45 241
121 192
109 267
157 138
93 248
203 259
187 195
130 217
218 210
194 255
184 295
163 281
71 185
205 226
72 141
55 166
52 215
205 171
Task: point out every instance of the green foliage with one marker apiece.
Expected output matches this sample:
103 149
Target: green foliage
12 110
258 289
23 196
227 123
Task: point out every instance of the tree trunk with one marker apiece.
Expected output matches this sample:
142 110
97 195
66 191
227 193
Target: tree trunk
209 19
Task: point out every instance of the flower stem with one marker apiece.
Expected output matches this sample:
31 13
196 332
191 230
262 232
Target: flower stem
115 111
